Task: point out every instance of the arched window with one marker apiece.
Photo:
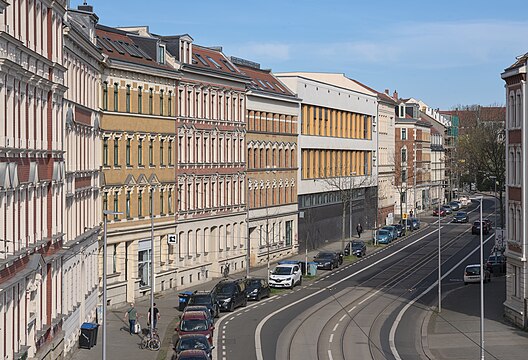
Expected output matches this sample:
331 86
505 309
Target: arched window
518 167
511 110
519 108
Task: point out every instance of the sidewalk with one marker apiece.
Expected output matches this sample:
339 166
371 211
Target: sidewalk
121 345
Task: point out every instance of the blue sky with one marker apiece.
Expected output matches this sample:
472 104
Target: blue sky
444 52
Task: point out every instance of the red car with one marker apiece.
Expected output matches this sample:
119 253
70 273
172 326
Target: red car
442 212
195 322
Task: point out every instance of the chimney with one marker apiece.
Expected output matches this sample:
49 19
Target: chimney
387 91
395 95
85 7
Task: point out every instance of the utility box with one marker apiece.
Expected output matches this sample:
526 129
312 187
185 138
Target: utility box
312 268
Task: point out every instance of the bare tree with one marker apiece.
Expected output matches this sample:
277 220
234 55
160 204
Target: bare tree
401 177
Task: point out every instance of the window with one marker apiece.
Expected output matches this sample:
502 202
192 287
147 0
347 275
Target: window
162 208
116 97
127 152
404 134
404 155
116 152
151 152
140 99
169 150
140 203
105 152
161 102
150 202
404 175
127 104
403 197
169 200
151 94
127 205
105 96
170 103
140 152
161 54
289 231
144 260
116 204
217 65
105 201
161 152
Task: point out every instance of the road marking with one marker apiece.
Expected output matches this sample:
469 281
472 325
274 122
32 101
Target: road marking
330 355
342 317
392 333
368 297
258 343
353 307
335 327
331 337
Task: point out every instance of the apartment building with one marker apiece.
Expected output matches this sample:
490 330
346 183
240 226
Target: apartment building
81 198
32 179
336 149
451 156
271 138
516 303
139 162
413 160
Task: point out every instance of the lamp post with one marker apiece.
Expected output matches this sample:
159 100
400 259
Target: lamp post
494 198
350 198
481 282
105 213
439 255
152 279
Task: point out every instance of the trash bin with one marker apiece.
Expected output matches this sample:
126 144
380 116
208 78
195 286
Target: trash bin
312 268
88 337
183 299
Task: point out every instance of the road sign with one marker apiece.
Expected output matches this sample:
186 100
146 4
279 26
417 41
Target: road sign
404 216
171 239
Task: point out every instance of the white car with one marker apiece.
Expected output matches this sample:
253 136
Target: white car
464 200
472 274
285 276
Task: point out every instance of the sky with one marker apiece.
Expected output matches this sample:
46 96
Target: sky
443 52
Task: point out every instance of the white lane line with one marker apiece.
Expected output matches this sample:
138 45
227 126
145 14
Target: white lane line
335 327
368 297
258 343
330 355
353 307
331 337
342 317
392 333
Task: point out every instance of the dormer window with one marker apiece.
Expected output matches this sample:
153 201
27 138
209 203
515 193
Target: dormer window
161 54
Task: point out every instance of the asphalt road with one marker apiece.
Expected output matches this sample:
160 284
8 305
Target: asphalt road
350 313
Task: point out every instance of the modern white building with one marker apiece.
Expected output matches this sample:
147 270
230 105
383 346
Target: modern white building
337 147
516 304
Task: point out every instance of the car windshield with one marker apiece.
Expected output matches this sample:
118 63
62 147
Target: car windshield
473 270
282 270
228 288
193 343
193 325
325 255
494 259
461 214
357 245
383 232
199 300
253 284
388 228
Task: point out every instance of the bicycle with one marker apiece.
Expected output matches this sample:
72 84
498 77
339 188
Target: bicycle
151 341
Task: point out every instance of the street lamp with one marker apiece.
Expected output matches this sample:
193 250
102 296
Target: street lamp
105 213
439 254
350 198
481 281
494 178
152 279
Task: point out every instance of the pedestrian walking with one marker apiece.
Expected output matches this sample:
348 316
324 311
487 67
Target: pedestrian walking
411 213
131 315
156 317
359 230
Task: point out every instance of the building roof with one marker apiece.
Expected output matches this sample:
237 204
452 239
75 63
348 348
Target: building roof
120 45
521 60
263 80
470 117
336 79
213 59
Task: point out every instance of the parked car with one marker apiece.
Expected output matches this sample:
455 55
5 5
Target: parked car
193 344
285 276
203 308
358 248
454 205
400 229
447 209
393 231
441 211
327 260
415 223
195 322
475 229
464 200
206 298
257 288
193 355
461 217
231 294
496 263
383 236
472 274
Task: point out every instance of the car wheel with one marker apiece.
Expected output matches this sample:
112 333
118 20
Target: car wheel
465 283
300 281
244 304
292 285
232 307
